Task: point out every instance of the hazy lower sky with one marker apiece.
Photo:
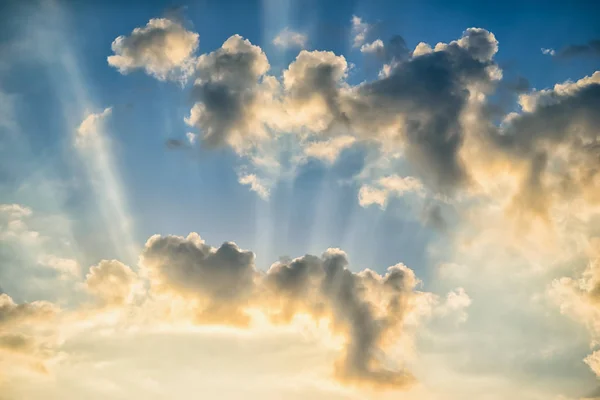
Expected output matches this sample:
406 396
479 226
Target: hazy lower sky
299 199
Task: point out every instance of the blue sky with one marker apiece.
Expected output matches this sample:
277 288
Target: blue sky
498 232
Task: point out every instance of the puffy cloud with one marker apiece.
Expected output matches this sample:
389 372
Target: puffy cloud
23 330
419 104
359 30
421 49
88 129
288 39
222 279
163 48
375 47
481 44
233 95
311 86
368 309
13 314
394 51
112 282
555 138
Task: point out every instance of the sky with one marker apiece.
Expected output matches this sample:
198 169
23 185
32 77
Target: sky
299 199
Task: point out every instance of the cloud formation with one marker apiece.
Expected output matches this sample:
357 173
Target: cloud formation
368 309
232 94
163 48
289 39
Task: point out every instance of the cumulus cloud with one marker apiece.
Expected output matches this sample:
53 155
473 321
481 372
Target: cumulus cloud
289 39
392 52
163 48
112 282
368 309
311 86
375 47
233 95
12 314
556 137
23 333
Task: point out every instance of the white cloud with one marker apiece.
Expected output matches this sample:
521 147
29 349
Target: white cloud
163 48
360 30
372 48
392 185
191 137
289 39
91 126
256 185
550 52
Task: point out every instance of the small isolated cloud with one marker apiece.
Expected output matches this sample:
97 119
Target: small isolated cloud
88 129
255 183
163 48
548 52
191 137
385 187
360 30
289 39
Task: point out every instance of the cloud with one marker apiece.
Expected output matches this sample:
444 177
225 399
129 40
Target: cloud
360 30
289 39
549 52
368 309
375 47
392 52
163 48
328 150
90 126
67 267
555 137
232 94
255 184
311 85
112 282
13 314
392 185
191 137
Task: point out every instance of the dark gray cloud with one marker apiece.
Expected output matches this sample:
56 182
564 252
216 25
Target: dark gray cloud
430 92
